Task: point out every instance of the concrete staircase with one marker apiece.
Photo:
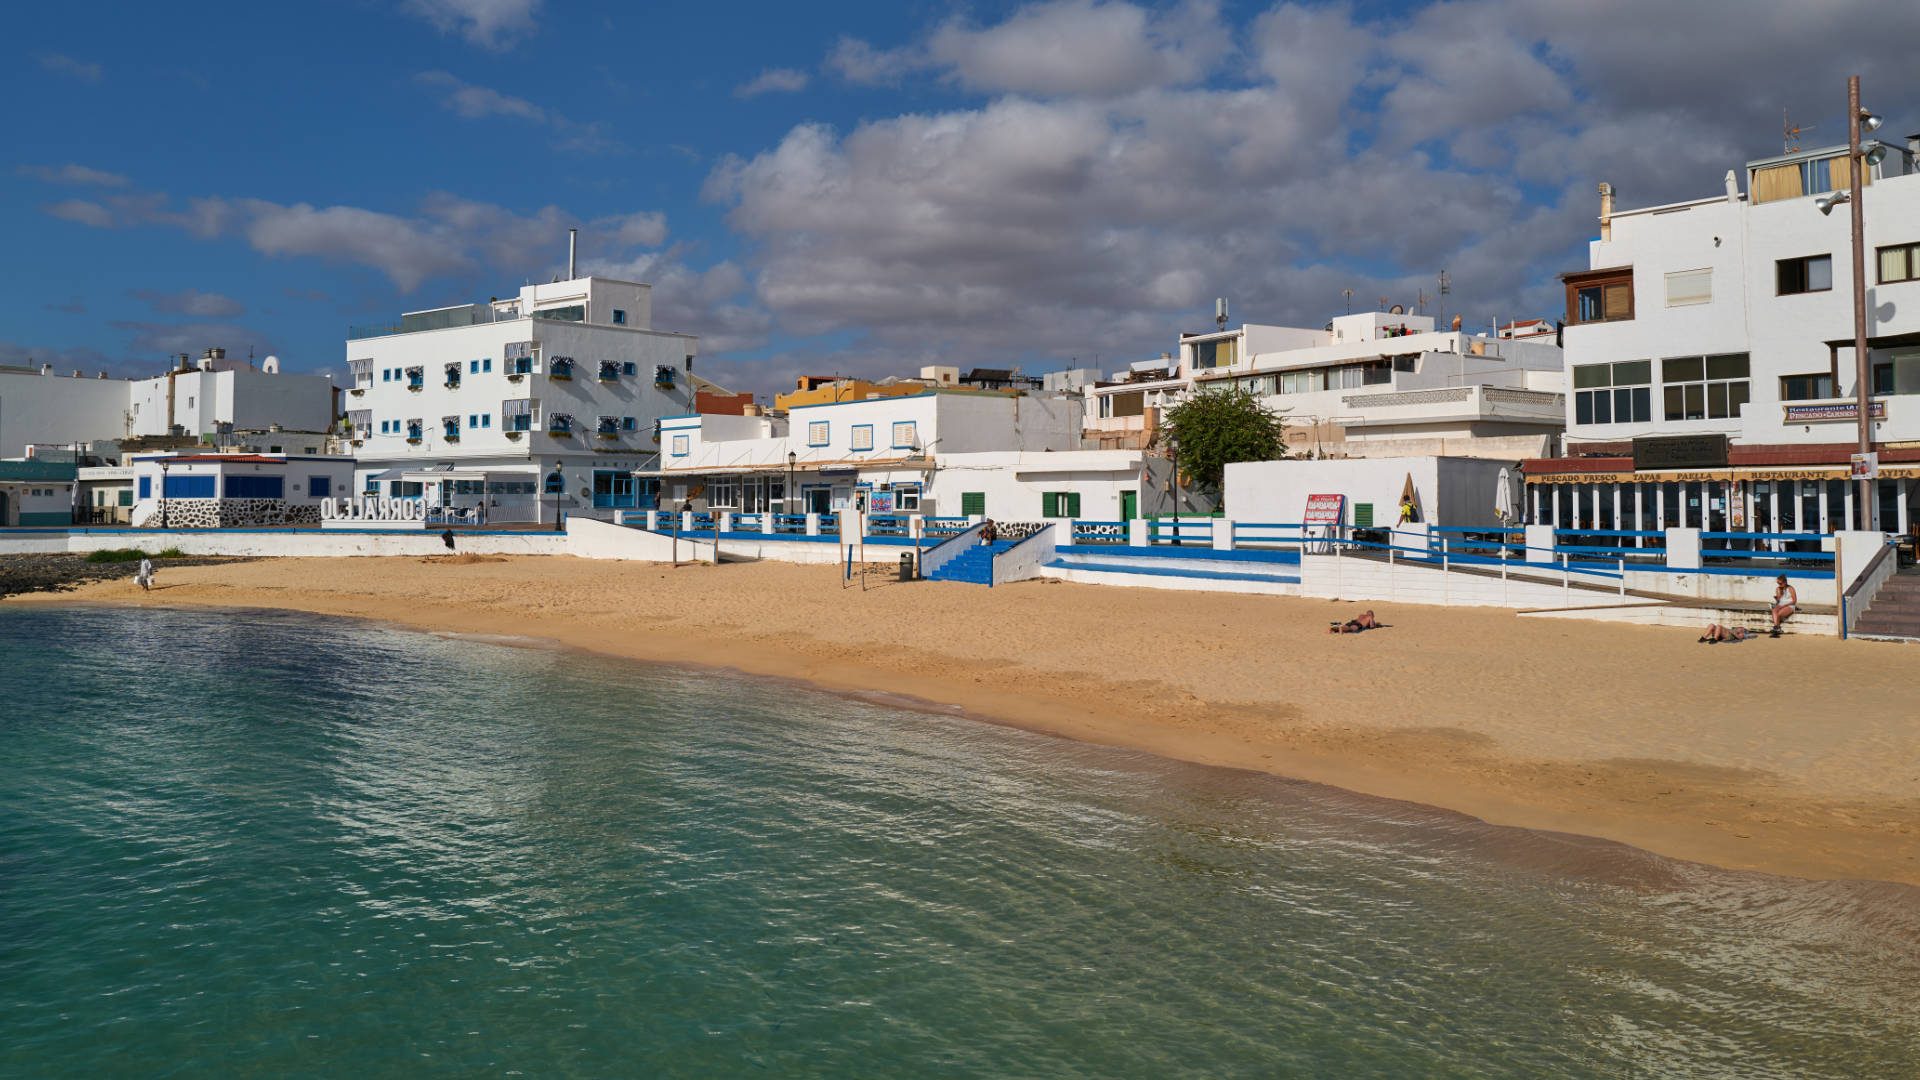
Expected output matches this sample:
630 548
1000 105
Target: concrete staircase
972 565
1895 610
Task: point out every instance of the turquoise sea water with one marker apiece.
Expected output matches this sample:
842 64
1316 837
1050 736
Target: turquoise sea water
255 844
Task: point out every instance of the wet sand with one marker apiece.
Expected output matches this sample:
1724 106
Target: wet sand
1799 756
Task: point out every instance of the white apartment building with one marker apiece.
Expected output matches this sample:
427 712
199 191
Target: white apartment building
1368 385
1728 321
559 389
940 452
210 396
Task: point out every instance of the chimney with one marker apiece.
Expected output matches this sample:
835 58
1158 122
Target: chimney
1733 187
573 246
1606 211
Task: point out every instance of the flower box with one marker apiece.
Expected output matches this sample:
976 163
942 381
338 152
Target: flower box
514 434
413 442
560 375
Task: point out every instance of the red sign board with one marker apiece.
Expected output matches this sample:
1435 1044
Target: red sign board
1326 510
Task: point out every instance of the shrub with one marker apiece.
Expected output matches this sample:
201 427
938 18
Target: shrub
113 555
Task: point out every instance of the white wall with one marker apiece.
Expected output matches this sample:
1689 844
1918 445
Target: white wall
37 408
1450 491
1014 483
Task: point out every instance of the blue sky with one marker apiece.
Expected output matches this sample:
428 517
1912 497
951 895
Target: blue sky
864 188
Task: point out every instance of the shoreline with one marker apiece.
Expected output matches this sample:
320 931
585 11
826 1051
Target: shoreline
1724 794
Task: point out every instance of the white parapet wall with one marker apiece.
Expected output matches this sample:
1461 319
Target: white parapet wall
588 538
292 543
1338 578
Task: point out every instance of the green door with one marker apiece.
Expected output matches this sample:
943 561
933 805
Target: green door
1129 505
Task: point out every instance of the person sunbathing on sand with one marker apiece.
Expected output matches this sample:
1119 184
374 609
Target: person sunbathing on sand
1731 634
1366 621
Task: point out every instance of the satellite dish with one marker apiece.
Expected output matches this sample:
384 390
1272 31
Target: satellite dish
1397 309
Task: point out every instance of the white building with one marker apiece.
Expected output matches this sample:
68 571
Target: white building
196 398
1369 384
940 452
1728 321
207 491
560 386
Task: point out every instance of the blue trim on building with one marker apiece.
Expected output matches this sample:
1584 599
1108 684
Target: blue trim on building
1178 572
1167 552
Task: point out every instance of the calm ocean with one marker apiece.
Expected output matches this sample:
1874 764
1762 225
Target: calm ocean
256 844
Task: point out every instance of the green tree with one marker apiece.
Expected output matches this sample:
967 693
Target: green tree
1213 428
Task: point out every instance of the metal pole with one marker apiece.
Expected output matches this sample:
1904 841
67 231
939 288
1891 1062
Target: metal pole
1863 371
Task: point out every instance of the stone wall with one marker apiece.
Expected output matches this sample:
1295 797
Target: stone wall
232 514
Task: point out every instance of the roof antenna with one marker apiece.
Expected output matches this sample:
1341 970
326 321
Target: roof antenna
573 240
1220 312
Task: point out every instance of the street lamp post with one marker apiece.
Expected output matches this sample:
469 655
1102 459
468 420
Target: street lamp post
1859 120
163 493
791 459
1863 370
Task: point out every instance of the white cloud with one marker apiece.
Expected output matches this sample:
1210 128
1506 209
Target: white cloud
65 361
773 81
1083 47
78 175
479 102
205 305
490 24
858 62
192 337
62 64
82 211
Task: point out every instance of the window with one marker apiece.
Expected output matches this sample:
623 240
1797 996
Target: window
680 446
862 437
1599 296
256 487
607 425
188 487
413 428
486 419
818 433
416 378
1813 273
628 368
906 498
404 489
1060 504
906 434
146 487
560 368
1212 354
1705 387
1806 387
320 487
520 365
628 423
619 317
126 497
473 366
453 374
609 369
1302 382
613 489
1899 263
450 426
973 502
1689 287
1620 393
386 374
487 364
571 313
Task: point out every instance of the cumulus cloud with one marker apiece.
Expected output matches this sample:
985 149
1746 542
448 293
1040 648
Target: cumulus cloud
193 337
1122 166
76 175
82 211
62 64
490 24
773 81
1055 48
206 305
479 102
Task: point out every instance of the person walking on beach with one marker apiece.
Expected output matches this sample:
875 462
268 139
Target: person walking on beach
145 574
447 539
1785 602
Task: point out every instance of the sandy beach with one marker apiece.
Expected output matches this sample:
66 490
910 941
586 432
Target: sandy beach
1798 756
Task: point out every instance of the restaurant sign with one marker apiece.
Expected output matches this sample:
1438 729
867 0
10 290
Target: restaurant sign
1325 510
1680 452
1828 411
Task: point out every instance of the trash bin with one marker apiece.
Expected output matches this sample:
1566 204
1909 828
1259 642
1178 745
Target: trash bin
906 567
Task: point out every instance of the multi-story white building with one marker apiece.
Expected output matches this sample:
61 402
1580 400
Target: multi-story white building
1728 322
1371 384
940 452
560 387
211 396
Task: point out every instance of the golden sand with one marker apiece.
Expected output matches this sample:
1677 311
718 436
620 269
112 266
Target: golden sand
1798 756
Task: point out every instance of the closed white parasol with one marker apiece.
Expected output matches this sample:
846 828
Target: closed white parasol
1503 498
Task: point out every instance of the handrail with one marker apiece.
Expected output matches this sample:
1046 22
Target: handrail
964 535
1867 571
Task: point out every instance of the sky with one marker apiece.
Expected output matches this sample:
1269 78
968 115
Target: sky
865 188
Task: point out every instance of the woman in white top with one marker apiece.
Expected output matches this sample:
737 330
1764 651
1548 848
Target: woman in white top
145 576
1785 602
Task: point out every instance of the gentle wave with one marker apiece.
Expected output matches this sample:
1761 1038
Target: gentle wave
269 844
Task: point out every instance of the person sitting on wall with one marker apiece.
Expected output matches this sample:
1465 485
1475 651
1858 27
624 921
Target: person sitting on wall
1785 602
988 532
1365 621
